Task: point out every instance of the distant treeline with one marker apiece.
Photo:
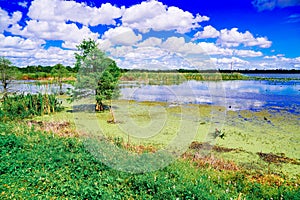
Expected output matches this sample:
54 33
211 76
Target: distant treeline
48 69
39 72
45 69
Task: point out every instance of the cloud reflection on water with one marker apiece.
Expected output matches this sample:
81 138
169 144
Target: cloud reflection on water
238 95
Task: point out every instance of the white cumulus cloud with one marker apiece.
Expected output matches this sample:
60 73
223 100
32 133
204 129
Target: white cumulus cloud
150 42
233 38
158 17
230 60
122 36
59 11
212 49
20 43
6 20
208 32
181 46
248 53
56 31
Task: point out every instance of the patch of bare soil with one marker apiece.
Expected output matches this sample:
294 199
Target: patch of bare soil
211 161
62 129
273 158
267 157
206 146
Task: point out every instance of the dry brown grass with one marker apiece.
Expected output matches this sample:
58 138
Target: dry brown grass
269 179
211 162
140 148
62 129
273 158
206 146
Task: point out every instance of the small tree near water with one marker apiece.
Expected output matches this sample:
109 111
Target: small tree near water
97 73
7 73
59 71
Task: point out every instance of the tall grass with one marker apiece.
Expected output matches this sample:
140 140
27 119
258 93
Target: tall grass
26 105
177 78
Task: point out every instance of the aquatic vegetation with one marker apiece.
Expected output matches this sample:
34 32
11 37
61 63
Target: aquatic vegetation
169 78
20 106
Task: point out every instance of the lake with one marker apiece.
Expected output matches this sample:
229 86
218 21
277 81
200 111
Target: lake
234 95
34 87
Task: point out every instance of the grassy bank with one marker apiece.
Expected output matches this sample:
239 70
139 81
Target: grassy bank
46 158
39 165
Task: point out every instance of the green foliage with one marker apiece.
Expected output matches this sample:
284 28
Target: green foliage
23 106
85 47
59 72
39 165
7 73
97 73
107 83
35 69
44 72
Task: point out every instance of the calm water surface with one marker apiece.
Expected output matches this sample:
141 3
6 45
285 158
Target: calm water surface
234 95
34 87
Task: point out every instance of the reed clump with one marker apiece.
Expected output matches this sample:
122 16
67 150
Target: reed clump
20 106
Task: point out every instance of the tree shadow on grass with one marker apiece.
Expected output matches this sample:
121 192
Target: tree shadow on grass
82 108
90 108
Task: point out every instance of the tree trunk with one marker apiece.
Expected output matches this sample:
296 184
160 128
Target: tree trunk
5 86
99 106
112 113
60 87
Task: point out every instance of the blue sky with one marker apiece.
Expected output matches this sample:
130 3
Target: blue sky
248 34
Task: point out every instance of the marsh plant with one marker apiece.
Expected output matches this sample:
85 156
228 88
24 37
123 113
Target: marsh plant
20 106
